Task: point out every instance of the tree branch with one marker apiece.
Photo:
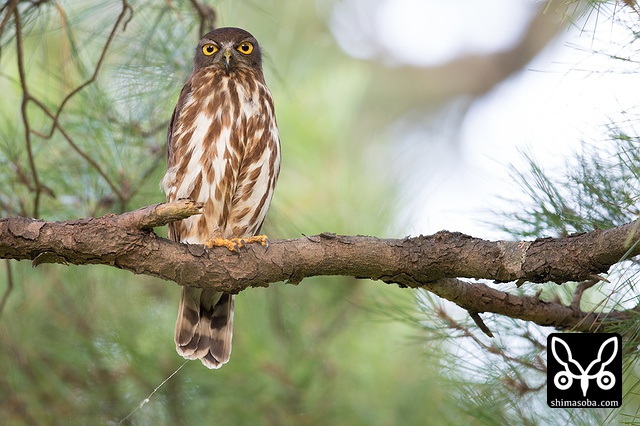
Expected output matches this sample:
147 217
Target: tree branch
433 262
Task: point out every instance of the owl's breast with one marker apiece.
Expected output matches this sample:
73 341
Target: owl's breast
227 156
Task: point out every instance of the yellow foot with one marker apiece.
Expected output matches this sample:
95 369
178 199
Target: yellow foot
234 244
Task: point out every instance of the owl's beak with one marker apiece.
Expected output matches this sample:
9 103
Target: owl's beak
228 59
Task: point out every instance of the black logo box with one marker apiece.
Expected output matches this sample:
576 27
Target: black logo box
584 370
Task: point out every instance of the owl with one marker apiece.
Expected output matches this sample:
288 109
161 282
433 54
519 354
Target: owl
223 149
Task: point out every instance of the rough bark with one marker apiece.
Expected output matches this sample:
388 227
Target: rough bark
435 263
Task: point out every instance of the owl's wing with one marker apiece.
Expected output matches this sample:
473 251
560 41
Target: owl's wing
186 90
173 232
258 171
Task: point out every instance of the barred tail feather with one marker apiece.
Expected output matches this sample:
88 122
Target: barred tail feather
204 327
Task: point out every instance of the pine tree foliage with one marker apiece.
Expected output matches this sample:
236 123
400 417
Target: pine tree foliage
501 380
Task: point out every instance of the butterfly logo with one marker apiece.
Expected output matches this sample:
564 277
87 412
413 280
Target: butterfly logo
564 379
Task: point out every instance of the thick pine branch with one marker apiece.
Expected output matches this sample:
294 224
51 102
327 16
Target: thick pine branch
434 262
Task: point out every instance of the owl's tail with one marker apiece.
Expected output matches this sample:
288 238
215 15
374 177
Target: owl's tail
205 326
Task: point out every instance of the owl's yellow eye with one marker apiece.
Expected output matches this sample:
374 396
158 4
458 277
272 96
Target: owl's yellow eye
209 49
245 48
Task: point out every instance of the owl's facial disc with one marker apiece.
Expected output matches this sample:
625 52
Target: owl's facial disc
225 50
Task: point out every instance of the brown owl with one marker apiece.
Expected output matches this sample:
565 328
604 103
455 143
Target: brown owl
223 149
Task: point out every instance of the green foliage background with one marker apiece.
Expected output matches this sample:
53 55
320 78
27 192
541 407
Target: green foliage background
86 345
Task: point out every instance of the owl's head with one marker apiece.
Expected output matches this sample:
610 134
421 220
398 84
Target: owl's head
228 49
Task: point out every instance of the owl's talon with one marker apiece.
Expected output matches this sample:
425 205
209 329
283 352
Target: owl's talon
262 239
234 244
221 242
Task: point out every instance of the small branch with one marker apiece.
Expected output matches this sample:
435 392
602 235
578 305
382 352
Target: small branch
121 17
55 116
580 289
479 297
85 156
433 262
480 323
159 214
8 9
23 111
207 17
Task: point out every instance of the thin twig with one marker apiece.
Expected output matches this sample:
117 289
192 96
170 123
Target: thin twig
121 196
9 7
455 325
25 118
480 323
582 286
125 8
207 17
147 399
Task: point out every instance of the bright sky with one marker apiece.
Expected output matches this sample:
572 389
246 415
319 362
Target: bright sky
564 96
428 32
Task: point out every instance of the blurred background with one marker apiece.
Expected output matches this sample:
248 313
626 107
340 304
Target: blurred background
397 117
